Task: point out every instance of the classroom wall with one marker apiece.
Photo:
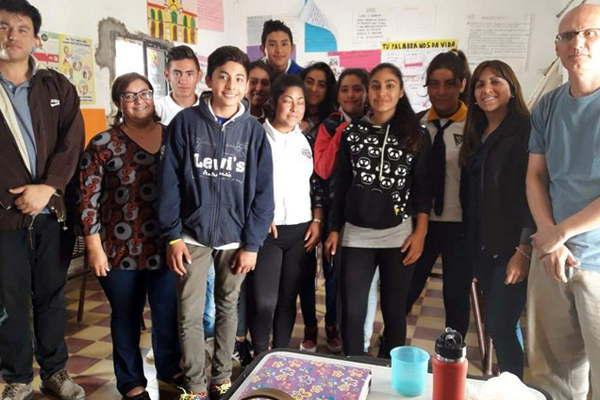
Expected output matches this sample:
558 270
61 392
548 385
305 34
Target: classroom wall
81 18
450 22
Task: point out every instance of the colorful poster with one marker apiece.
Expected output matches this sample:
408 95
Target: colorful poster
210 15
413 57
173 20
73 57
318 32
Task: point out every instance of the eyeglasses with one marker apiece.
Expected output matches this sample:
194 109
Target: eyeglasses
588 34
130 97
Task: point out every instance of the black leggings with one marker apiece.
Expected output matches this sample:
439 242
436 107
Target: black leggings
273 286
358 267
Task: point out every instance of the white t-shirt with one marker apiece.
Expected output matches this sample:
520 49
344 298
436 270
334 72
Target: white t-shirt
292 169
167 109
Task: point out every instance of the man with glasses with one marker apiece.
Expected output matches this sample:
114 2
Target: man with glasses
40 142
563 189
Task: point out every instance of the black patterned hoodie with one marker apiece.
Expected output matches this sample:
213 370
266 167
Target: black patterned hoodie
379 181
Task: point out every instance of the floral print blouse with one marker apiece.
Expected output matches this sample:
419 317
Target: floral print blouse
118 188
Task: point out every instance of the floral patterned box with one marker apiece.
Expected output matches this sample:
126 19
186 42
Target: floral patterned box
307 378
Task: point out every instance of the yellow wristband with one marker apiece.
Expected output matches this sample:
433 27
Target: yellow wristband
172 242
317 220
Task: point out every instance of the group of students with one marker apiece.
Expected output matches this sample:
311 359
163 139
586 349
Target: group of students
212 207
346 164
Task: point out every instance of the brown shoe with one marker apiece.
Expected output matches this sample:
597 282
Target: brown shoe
334 343
17 391
62 386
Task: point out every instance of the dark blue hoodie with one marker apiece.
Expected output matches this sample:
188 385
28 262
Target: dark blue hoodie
216 181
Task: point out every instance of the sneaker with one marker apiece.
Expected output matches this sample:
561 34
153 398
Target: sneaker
309 343
17 391
62 386
241 352
217 391
334 343
192 395
142 396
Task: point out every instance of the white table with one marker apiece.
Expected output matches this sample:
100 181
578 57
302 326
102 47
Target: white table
381 383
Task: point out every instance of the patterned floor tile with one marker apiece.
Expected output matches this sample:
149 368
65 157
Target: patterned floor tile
90 345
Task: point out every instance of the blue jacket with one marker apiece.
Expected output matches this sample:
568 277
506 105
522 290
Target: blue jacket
216 182
294 69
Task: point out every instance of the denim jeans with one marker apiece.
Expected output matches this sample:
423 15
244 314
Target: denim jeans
126 291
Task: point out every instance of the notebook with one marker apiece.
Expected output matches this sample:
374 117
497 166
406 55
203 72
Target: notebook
307 378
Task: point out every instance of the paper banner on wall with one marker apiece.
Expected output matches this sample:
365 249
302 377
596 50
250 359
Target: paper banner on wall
210 15
503 38
366 59
375 25
318 31
413 57
173 20
73 57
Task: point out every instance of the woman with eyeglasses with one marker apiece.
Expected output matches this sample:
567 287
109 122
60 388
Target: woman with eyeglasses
118 187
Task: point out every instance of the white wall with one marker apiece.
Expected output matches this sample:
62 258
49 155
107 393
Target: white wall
81 18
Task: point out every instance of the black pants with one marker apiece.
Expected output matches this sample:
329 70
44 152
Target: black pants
273 287
503 307
447 239
33 278
358 267
308 292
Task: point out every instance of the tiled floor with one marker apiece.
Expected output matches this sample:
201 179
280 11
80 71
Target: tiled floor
90 346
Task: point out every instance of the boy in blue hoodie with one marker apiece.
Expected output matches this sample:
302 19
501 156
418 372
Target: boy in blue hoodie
215 204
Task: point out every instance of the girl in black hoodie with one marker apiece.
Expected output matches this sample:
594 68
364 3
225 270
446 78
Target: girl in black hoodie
380 182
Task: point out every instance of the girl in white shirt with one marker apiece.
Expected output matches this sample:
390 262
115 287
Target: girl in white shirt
273 285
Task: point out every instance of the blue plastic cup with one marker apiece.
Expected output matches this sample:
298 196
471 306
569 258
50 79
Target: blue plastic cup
409 370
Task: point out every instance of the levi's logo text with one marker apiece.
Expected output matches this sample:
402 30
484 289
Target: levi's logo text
226 166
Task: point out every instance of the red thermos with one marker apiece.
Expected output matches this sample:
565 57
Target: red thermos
449 366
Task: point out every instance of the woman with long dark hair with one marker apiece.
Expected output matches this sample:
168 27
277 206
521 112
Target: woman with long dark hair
447 79
351 98
494 160
320 84
381 181
120 226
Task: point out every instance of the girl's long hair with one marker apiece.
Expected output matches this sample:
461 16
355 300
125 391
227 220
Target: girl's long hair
327 106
